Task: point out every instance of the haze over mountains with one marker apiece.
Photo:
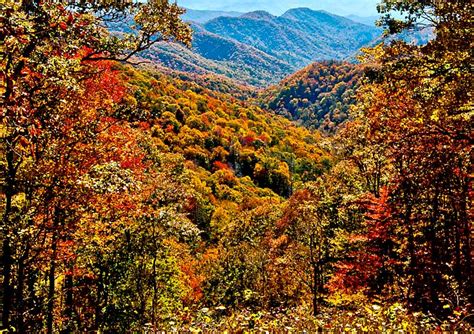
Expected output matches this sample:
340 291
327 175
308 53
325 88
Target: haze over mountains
278 7
367 20
259 48
202 16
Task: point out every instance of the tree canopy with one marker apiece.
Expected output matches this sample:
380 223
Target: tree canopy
135 200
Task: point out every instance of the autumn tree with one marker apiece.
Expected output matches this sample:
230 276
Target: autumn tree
304 240
418 102
49 59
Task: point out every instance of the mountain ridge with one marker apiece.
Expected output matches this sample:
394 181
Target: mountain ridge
260 49
277 7
299 36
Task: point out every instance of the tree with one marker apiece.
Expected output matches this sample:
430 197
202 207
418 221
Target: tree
418 101
49 62
306 225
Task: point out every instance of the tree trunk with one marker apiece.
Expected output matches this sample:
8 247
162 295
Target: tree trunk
19 296
7 259
51 279
68 307
315 290
98 302
7 288
411 251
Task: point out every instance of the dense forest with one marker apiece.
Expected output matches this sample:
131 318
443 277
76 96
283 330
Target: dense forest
319 97
136 199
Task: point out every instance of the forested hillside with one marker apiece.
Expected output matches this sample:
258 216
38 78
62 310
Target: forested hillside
218 133
299 36
213 54
319 97
260 49
135 198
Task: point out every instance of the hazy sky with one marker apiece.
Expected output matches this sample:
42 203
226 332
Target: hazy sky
341 7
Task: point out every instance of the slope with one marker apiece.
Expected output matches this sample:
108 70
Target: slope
299 36
220 134
215 54
319 96
260 49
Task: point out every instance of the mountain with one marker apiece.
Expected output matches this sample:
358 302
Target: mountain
260 49
277 7
299 37
202 16
319 96
419 37
212 53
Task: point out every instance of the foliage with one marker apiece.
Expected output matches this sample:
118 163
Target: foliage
59 145
363 318
318 97
138 201
415 243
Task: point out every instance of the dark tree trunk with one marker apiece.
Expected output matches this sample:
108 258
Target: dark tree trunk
19 296
51 279
316 286
7 259
7 288
100 299
68 309
411 251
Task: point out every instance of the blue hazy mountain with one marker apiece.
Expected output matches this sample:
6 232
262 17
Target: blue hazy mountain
213 54
260 48
299 36
361 8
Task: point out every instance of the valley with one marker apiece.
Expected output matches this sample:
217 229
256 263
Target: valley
240 167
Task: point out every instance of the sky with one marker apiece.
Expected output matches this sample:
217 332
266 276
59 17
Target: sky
277 7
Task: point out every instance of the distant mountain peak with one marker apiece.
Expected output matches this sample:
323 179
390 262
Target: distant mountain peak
259 15
298 12
302 10
259 48
302 14
367 20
